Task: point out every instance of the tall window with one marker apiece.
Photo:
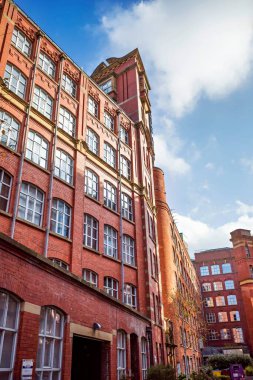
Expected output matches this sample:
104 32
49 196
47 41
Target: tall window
220 301
217 285
21 42
91 184
90 277
130 295
67 121
110 196
110 241
144 358
210 317
92 141
215 269
109 121
234 316
31 202
109 155
121 354
111 286
37 149
208 302
222 316
46 64
63 167
15 80
204 271
42 102
124 135
90 235
9 130
60 218
107 86
238 335
206 287
232 300
229 284
68 85
92 106
226 268
49 354
128 250
225 334
9 319
126 206
125 167
5 190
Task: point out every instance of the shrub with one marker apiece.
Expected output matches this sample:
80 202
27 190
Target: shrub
182 376
224 361
202 375
249 370
161 372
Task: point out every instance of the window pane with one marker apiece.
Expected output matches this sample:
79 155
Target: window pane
7 351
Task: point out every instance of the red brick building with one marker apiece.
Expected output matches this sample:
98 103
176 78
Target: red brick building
79 278
180 288
226 276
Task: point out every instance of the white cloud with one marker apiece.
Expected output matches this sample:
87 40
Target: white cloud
209 166
244 208
201 236
247 163
190 48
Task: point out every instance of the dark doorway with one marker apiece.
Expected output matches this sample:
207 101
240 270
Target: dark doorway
86 359
134 356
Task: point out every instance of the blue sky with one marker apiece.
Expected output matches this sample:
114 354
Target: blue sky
198 56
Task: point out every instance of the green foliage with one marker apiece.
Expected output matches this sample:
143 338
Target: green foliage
222 377
182 376
249 370
161 372
202 375
224 361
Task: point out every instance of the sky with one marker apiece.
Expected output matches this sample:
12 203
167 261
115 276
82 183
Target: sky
198 56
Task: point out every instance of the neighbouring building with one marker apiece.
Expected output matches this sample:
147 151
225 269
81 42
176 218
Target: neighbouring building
180 288
79 260
226 277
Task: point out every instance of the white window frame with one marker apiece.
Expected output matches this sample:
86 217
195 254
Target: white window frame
125 167
21 42
31 203
208 302
15 80
144 358
213 335
220 301
67 121
109 155
217 285
6 329
235 316
49 336
126 206
92 141
106 86
5 189
60 263
206 287
215 269
229 284
110 241
91 184
238 335
90 276
61 223
121 354
222 316
37 149
204 270
43 102
232 299
108 121
90 232
93 106
110 196
210 317
124 135
130 295
226 268
46 64
9 130
111 286
63 166
225 334
69 85
128 246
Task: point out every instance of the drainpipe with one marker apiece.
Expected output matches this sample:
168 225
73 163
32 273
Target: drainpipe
51 179
23 146
120 210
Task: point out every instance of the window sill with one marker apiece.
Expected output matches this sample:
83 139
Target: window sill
66 134
64 182
130 266
68 94
47 75
128 220
92 250
96 118
37 165
111 258
60 236
31 224
92 199
47 119
10 150
110 209
5 213
23 54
